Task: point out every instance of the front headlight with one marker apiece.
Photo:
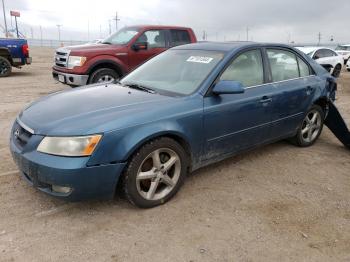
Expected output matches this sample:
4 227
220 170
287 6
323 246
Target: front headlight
74 61
69 146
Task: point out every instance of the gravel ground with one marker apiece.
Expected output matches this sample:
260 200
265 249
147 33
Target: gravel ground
276 203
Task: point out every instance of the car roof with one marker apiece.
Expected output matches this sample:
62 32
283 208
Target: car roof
147 27
308 49
225 46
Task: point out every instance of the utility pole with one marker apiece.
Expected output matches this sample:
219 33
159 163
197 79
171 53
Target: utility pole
110 27
319 38
31 32
203 36
88 30
247 33
3 9
59 33
41 36
116 21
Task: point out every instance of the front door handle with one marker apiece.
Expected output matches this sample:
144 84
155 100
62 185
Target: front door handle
266 100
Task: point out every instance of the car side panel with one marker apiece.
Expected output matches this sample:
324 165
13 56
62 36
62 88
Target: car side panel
291 100
119 145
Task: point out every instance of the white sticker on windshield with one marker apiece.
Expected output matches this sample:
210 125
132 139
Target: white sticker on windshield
200 59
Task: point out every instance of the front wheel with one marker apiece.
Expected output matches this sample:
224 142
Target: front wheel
310 128
103 75
5 67
155 173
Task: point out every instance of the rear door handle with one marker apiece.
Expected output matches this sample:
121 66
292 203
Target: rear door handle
266 100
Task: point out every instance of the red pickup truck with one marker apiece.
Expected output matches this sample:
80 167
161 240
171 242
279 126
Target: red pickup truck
117 55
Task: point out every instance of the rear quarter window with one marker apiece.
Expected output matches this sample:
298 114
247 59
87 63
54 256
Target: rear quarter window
179 37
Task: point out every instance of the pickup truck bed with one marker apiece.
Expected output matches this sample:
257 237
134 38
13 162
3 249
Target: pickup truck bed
13 53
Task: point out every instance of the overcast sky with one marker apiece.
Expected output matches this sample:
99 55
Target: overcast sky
267 20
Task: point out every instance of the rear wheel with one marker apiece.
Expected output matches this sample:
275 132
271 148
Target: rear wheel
155 173
337 70
104 75
310 128
5 67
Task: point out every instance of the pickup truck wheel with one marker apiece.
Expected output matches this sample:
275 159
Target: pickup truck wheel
310 128
155 173
103 75
5 67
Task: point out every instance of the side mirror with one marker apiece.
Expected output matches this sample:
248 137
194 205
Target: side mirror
140 46
316 57
228 87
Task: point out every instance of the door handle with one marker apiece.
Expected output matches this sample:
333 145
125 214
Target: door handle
266 100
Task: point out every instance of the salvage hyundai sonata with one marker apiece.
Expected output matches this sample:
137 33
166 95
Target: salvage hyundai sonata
186 108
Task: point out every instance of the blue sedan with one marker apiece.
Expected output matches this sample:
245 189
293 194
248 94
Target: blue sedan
188 107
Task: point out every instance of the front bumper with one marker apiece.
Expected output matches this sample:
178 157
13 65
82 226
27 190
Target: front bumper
42 171
70 79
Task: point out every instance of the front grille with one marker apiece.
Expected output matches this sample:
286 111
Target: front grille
20 135
61 58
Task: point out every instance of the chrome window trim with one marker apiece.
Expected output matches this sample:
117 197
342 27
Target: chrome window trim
277 82
24 126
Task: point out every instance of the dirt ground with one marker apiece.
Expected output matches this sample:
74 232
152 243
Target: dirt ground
277 203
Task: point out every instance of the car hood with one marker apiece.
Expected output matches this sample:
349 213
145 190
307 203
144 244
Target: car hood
77 49
89 110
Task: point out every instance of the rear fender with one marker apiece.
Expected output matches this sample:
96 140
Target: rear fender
5 52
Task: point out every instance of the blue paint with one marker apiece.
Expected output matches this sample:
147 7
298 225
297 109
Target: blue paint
213 126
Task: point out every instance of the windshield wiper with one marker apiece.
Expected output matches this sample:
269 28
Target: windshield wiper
140 87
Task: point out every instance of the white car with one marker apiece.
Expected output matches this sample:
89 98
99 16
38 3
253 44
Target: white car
326 57
344 51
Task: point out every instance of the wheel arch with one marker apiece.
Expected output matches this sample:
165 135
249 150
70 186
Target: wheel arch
5 52
106 64
176 136
323 103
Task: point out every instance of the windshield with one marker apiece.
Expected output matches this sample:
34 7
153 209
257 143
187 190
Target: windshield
121 37
178 72
344 48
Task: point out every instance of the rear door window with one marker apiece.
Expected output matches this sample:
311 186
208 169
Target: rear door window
179 37
284 65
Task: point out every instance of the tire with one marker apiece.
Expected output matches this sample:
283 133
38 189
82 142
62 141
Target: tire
309 130
337 70
103 75
146 181
5 67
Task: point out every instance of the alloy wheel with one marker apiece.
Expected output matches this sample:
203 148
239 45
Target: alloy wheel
4 67
158 174
311 126
106 79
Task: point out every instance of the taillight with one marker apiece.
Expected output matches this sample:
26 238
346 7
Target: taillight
25 50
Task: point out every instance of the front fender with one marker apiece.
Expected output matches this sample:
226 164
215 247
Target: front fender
102 59
119 145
